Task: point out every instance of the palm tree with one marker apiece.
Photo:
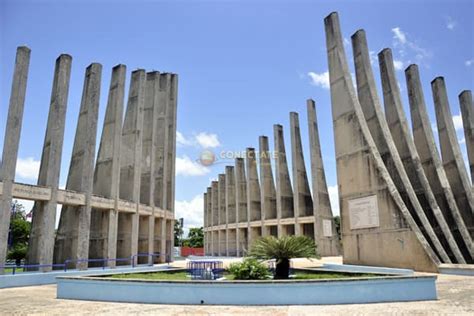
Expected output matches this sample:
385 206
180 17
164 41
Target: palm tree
282 250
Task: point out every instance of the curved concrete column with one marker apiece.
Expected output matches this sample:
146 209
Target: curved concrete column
430 159
398 126
451 154
388 235
467 112
326 235
41 241
378 127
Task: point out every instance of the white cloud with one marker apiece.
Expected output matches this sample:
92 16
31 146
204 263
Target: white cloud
27 168
373 58
399 35
319 80
398 64
191 211
347 42
409 49
187 167
469 62
201 139
457 121
334 198
450 23
207 140
462 140
181 140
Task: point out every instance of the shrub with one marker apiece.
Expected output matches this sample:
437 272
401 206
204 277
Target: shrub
249 269
282 250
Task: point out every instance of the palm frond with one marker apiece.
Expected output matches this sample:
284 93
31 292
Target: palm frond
286 247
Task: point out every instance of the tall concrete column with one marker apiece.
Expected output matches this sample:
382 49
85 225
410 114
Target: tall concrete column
130 164
206 240
284 192
303 203
370 104
403 140
325 231
215 216
11 143
170 159
451 154
267 186
161 140
221 190
209 219
41 242
467 112
230 206
253 191
430 159
103 238
240 201
72 238
148 160
390 237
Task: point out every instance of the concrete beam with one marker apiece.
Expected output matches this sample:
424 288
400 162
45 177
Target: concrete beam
326 235
284 192
370 103
402 138
254 212
130 164
267 186
103 238
387 235
11 143
467 112
451 154
303 202
430 159
72 238
41 242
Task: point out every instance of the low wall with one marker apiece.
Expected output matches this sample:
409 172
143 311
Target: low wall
189 251
276 292
41 278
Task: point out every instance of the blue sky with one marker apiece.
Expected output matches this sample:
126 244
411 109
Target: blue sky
242 65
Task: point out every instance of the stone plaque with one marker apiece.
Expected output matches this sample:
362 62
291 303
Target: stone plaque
327 228
364 212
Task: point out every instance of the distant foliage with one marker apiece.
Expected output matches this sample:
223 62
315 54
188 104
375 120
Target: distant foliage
249 269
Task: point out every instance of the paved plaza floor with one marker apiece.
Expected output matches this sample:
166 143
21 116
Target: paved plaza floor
456 297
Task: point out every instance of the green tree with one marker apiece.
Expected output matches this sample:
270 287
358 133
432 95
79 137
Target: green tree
282 250
178 232
195 237
19 233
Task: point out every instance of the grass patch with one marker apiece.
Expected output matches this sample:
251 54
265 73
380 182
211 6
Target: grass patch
183 275
168 275
10 270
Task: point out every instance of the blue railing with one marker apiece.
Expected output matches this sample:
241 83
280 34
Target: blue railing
205 270
66 263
